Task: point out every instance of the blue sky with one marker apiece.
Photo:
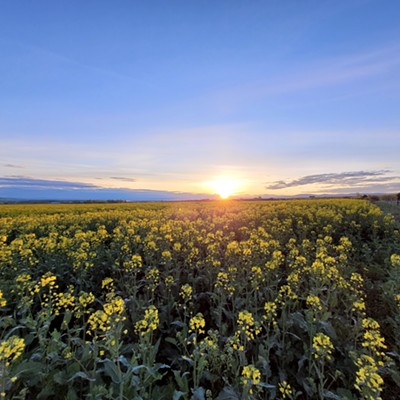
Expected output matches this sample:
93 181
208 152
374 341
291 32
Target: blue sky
143 98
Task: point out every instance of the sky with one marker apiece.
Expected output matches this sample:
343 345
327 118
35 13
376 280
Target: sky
163 100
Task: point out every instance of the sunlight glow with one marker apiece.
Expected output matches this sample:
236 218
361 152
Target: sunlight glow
225 187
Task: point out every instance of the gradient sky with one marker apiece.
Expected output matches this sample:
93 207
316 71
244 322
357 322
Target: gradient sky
125 98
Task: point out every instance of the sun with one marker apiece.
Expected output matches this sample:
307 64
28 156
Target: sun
224 187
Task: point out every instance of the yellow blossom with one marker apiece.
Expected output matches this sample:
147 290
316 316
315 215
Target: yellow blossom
285 389
3 301
314 302
186 292
368 381
107 283
11 349
322 346
149 323
197 324
251 376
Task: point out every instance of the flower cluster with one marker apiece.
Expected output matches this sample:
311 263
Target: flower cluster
270 308
149 323
372 339
359 307
395 260
64 301
223 282
322 347
197 324
11 349
133 264
314 302
247 328
251 376
186 293
3 301
285 389
368 381
104 320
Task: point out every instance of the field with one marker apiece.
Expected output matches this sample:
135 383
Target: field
209 300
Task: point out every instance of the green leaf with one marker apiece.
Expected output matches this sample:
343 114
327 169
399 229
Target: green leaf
124 361
72 395
395 375
137 368
112 371
329 330
299 320
330 395
60 378
172 341
345 394
179 324
82 375
266 385
228 393
198 394
177 395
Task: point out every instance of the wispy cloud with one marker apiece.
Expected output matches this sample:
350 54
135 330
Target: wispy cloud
122 178
30 183
325 72
23 188
344 179
13 166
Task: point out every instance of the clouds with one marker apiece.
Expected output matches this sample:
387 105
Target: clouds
13 166
41 184
25 188
348 180
122 178
338 74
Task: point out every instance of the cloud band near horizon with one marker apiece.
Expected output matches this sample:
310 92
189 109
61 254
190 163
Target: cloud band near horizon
344 179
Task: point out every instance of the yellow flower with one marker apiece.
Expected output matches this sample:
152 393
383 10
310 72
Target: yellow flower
322 346
11 349
166 255
107 282
115 307
186 292
372 339
251 376
247 327
153 275
98 321
270 308
104 320
286 292
3 301
395 260
197 324
48 279
64 301
85 299
134 263
285 389
223 282
397 299
368 381
149 323
177 246
169 280
359 306
314 302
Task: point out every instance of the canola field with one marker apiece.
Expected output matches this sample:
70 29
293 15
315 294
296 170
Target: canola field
200 300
